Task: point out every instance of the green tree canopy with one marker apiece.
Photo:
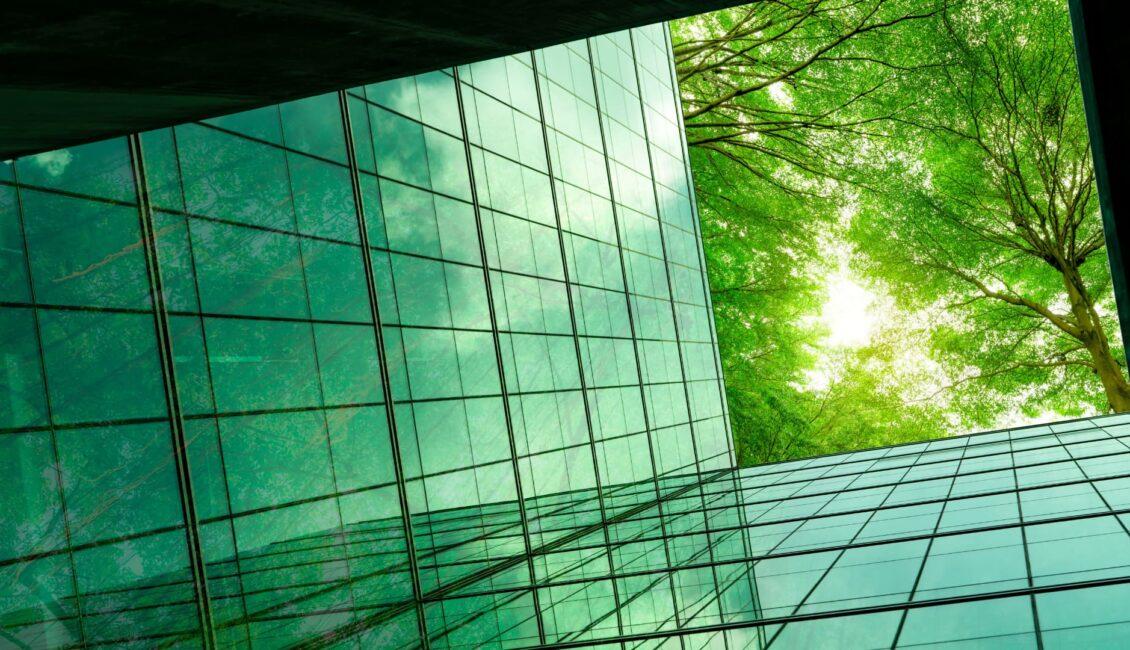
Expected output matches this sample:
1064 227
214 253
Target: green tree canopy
989 211
943 146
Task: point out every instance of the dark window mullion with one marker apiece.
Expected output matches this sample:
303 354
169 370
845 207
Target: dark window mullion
179 442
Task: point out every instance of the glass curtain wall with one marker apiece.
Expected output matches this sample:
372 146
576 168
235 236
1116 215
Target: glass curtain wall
429 363
376 367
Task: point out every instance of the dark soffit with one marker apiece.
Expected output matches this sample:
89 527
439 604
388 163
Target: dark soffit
101 69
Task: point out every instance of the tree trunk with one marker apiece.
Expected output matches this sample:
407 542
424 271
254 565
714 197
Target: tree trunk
1110 373
1094 339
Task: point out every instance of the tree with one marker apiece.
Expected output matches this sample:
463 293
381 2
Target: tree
786 90
994 216
777 96
956 128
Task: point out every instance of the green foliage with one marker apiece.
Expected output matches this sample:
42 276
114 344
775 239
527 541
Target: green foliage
988 214
941 148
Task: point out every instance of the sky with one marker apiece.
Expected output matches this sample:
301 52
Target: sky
847 312
850 315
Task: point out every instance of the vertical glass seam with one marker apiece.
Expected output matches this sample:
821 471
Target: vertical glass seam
576 340
317 361
929 545
663 246
199 317
655 473
480 238
671 297
696 222
386 384
58 473
172 398
1024 544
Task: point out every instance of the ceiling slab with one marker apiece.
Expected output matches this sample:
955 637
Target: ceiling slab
108 68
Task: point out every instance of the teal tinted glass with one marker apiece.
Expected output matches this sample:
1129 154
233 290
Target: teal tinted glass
463 385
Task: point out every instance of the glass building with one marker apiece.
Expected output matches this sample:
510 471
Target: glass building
430 362
241 357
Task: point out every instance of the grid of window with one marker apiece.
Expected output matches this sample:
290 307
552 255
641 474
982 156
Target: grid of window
1014 538
468 304
430 363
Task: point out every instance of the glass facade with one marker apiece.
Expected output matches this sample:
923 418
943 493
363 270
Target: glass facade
430 363
303 372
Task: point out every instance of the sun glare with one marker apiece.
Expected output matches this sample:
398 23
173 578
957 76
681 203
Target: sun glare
847 313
